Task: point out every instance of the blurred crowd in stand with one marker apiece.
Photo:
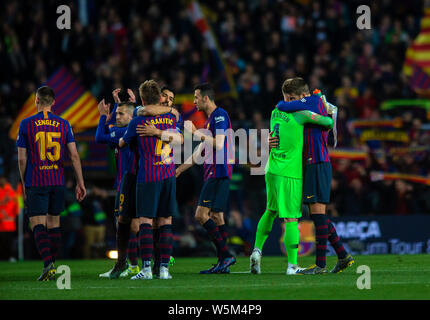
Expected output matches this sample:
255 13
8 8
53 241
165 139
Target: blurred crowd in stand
115 44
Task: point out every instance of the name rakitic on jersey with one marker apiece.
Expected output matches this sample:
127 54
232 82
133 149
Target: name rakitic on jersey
161 121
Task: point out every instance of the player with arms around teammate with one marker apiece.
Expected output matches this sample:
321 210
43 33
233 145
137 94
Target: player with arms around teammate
284 183
317 174
215 191
156 182
166 106
41 142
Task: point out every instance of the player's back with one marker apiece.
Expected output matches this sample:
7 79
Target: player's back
315 137
286 159
156 156
45 136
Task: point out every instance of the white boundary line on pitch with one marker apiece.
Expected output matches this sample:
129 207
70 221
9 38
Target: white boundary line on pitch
286 284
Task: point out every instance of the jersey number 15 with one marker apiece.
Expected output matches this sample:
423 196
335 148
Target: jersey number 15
45 142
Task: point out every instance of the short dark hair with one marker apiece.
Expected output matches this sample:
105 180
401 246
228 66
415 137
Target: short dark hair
296 86
169 89
150 92
206 90
46 95
130 105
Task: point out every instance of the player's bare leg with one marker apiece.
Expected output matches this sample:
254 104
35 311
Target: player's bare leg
202 215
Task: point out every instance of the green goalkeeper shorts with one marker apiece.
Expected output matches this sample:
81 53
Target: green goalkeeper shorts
284 195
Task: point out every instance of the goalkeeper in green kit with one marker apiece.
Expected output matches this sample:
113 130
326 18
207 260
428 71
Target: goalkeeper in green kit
284 182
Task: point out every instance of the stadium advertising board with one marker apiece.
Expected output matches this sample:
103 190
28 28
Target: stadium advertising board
385 234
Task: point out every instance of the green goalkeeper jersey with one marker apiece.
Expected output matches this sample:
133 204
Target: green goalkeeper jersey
286 159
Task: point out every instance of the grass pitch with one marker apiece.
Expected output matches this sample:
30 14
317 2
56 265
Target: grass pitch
392 277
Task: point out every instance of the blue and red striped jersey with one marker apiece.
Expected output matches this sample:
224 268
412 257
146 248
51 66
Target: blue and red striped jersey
156 161
219 163
125 158
45 136
314 136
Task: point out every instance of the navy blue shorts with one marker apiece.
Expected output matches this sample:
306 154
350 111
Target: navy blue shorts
156 199
44 200
214 194
317 183
127 196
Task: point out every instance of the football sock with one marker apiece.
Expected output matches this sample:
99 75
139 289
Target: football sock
335 241
321 236
165 245
215 236
156 232
132 249
146 245
43 243
291 240
55 239
263 228
122 236
223 232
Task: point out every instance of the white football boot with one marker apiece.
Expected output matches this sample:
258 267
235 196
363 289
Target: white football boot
144 274
164 273
255 261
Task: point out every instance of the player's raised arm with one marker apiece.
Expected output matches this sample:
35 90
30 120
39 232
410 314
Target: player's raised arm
102 132
110 119
309 117
115 95
132 97
76 163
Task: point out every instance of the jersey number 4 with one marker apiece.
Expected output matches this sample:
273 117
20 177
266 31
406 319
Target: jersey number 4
163 149
45 142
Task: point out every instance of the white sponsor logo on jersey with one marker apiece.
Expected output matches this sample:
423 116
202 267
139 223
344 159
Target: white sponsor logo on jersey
219 119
